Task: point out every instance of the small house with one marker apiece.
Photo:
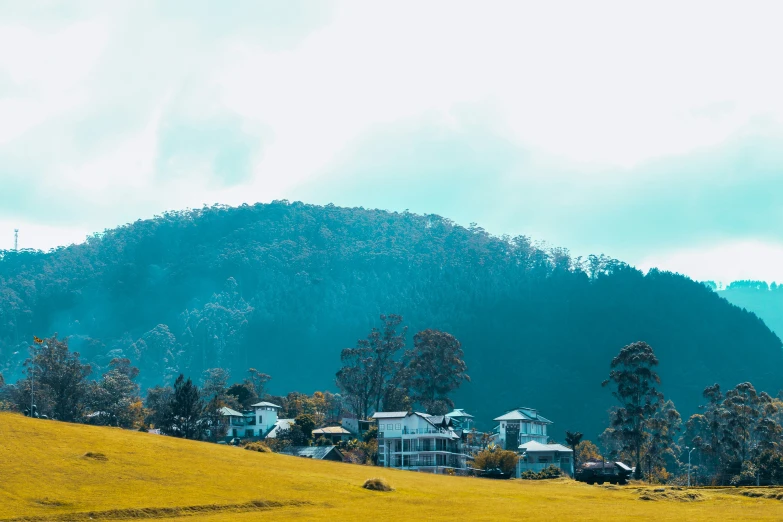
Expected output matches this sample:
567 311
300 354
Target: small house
535 456
334 434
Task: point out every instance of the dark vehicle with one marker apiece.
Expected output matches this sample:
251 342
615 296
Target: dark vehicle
495 473
600 472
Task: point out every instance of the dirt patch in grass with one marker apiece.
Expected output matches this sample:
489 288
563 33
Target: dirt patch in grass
95 456
661 494
161 512
759 493
49 502
377 484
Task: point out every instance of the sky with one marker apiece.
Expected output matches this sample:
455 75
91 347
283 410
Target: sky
650 132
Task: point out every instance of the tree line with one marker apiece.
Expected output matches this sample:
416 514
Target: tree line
736 438
284 286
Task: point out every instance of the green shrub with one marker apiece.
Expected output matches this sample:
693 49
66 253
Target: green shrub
257 446
496 458
550 472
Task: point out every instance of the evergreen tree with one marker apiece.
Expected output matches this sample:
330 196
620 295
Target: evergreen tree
634 382
184 416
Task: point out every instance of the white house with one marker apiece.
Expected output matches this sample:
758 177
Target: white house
234 422
260 419
520 426
418 441
535 456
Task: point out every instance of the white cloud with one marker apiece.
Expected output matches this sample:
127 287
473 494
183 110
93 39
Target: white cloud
588 89
724 262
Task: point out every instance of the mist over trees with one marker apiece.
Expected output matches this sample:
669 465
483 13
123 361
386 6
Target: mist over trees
286 286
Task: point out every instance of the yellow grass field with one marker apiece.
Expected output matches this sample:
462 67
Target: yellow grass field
46 475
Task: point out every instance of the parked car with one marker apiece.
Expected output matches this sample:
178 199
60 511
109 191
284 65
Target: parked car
600 472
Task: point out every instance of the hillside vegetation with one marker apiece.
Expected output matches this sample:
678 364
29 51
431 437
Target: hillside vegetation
763 299
283 287
55 471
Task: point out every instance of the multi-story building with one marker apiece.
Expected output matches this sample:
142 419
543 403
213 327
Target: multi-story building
418 441
260 419
520 426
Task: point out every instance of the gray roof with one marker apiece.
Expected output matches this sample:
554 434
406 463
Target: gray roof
459 412
312 452
527 414
258 404
281 424
225 410
389 414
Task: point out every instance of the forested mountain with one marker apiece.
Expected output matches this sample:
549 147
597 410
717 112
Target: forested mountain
765 300
283 287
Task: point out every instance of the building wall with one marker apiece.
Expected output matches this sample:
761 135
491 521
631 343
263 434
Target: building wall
527 431
413 442
265 418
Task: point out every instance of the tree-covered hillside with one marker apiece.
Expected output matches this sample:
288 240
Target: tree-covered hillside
284 287
763 299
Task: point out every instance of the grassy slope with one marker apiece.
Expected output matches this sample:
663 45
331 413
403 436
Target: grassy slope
43 473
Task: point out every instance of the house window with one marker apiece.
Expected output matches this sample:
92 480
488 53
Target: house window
249 433
380 427
396 426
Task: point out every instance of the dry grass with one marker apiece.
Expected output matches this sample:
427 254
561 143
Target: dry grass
46 475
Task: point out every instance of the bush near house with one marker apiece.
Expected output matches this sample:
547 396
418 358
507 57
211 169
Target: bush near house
496 458
549 472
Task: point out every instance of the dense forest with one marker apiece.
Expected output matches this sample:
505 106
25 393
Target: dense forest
765 300
284 287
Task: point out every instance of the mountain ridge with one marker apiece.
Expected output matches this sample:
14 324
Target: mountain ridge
284 286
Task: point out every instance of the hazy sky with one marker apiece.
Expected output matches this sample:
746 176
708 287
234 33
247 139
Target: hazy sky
649 131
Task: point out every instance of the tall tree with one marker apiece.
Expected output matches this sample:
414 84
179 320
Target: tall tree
573 439
661 448
185 408
214 392
388 345
60 373
158 403
114 399
355 377
435 369
257 382
634 381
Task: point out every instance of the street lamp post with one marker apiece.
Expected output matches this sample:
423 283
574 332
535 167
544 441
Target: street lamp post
689 464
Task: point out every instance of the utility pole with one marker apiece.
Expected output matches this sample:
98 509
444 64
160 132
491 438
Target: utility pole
689 464
32 383
16 240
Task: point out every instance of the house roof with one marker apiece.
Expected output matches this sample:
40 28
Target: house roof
526 414
459 412
441 421
312 452
225 410
536 447
258 404
281 424
389 414
331 430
